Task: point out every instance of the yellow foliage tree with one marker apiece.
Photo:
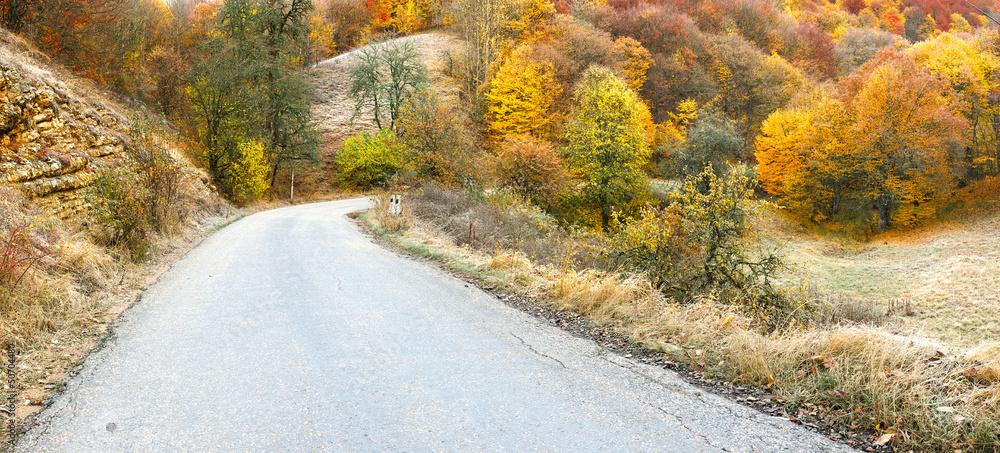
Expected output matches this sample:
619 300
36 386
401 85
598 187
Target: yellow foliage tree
528 24
971 69
607 143
882 155
521 96
248 177
320 43
409 17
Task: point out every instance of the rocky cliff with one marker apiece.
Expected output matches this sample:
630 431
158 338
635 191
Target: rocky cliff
55 129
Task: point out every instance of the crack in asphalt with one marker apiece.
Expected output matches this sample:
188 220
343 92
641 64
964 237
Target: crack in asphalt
674 388
680 421
340 283
683 389
532 348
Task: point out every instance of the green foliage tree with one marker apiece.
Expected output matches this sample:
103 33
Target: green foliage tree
606 142
752 85
383 77
249 90
368 161
713 140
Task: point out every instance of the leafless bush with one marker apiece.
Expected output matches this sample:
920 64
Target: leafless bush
842 309
501 220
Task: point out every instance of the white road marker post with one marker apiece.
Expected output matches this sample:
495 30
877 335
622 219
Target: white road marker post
396 205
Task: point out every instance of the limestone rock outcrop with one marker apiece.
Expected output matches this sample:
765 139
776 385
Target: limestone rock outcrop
52 137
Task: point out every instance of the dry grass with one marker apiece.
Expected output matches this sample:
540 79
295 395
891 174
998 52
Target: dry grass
63 307
949 273
844 368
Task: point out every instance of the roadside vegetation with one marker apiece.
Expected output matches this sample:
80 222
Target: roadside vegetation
797 196
829 358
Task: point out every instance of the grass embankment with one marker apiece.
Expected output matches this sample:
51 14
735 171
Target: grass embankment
849 369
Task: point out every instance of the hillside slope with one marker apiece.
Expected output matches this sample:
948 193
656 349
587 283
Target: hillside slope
948 273
55 129
333 108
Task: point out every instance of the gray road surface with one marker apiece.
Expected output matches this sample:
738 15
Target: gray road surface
291 331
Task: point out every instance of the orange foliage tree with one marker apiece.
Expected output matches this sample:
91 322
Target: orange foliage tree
882 154
532 167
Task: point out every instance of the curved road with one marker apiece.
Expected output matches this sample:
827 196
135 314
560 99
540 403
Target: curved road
291 331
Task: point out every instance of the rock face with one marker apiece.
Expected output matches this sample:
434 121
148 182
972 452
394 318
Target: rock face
51 138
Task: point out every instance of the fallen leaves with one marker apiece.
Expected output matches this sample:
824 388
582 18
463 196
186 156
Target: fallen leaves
884 439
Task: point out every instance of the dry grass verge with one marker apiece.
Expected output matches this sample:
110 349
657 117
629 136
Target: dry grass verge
848 375
69 296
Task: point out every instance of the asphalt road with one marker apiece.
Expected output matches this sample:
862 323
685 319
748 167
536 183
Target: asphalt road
292 331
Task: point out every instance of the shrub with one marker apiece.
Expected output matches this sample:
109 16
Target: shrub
159 173
248 179
703 244
21 242
436 140
119 199
370 161
500 220
532 167
139 194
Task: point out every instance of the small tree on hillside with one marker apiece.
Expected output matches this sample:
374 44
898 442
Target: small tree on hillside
383 78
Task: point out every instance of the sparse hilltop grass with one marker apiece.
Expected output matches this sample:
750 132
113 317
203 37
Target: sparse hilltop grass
862 367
